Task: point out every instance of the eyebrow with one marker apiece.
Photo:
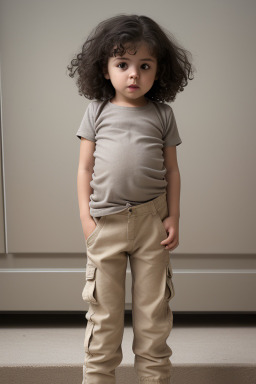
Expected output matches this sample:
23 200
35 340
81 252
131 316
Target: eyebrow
126 58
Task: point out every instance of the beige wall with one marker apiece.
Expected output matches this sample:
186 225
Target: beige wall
42 110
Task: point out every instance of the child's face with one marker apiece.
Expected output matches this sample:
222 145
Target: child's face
138 70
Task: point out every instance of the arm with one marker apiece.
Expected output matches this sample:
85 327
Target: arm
84 176
171 223
173 179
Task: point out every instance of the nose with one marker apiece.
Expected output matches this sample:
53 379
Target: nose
134 74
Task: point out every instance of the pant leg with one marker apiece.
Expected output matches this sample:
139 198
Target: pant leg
105 292
107 247
152 289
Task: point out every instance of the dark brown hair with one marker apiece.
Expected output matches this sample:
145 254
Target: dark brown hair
124 32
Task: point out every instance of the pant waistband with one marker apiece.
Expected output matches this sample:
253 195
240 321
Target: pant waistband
151 206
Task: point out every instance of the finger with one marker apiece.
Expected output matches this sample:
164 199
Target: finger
169 239
172 245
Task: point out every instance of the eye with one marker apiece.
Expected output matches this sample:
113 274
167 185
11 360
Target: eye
145 66
122 65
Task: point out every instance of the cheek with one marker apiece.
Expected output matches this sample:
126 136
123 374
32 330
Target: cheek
151 78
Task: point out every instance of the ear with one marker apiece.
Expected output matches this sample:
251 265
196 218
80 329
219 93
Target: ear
106 75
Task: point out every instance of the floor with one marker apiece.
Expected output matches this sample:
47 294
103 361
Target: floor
50 339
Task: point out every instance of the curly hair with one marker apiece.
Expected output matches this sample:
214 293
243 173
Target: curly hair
119 34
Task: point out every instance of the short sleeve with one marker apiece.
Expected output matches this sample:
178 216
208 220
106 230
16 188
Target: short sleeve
87 126
171 136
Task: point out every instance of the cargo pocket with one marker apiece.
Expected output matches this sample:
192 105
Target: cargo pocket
89 291
89 330
170 292
88 336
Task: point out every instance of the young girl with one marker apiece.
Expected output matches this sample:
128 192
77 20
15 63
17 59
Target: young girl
129 195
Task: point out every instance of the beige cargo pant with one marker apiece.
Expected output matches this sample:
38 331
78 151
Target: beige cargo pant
135 232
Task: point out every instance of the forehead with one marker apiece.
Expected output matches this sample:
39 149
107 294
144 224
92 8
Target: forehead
139 49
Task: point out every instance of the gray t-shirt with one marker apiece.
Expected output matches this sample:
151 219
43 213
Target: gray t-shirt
129 163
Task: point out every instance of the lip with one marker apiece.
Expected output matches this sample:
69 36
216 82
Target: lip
133 86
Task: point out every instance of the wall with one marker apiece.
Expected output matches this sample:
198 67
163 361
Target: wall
41 111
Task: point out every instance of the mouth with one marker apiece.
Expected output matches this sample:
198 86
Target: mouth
133 86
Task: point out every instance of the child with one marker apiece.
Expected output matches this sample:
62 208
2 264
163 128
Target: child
129 195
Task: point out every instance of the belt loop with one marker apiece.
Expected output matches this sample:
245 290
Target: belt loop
154 210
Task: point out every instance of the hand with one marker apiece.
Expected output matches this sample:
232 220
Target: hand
171 225
89 226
